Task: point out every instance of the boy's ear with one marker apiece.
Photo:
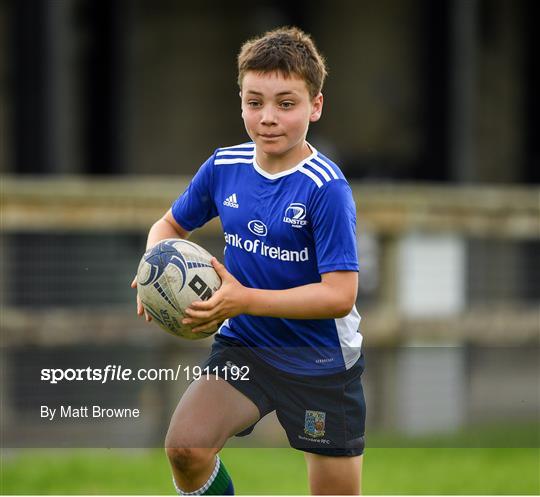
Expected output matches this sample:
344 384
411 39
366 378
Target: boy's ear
316 108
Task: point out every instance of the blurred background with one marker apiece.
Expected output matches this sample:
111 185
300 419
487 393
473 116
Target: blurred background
418 90
107 108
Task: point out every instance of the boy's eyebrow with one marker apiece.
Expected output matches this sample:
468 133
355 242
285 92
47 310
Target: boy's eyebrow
287 92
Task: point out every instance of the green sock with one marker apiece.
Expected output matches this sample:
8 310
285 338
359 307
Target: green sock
222 484
219 483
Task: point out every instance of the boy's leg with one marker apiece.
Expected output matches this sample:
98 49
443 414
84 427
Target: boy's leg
210 412
324 416
334 475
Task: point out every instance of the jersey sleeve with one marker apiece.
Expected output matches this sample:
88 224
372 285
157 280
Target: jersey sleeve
333 216
196 206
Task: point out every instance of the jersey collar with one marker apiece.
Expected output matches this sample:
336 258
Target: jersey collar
267 175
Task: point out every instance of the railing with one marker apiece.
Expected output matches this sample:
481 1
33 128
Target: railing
134 203
388 211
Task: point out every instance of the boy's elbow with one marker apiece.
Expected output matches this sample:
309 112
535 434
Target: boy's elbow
341 288
344 307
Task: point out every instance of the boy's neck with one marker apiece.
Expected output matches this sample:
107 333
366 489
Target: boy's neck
274 164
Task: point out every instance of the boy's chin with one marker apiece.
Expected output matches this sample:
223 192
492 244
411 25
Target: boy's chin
271 148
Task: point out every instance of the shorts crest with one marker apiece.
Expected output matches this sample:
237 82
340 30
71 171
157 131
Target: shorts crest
314 424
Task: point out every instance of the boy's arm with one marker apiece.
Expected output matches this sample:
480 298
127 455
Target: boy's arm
163 228
332 298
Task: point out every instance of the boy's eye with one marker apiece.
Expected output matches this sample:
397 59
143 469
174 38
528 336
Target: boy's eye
287 105
253 103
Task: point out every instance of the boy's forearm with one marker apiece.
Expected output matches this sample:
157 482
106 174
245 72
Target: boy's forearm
161 230
313 301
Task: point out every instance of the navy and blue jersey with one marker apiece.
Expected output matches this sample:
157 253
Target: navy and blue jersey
281 231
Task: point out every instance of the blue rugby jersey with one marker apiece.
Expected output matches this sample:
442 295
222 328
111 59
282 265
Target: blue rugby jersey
281 231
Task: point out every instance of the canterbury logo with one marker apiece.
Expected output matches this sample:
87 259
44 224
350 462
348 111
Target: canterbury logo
231 201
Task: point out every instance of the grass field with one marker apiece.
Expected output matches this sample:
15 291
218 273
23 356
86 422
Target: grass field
274 471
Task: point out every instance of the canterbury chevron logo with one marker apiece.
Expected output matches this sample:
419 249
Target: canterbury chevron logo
231 201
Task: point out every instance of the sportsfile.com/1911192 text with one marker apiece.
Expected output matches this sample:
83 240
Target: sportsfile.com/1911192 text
116 372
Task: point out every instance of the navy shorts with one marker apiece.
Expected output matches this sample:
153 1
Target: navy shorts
320 414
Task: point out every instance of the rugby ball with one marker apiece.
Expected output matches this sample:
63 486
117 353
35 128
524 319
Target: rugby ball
171 275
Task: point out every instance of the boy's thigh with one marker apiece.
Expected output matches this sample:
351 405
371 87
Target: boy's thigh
210 411
324 415
334 475
244 373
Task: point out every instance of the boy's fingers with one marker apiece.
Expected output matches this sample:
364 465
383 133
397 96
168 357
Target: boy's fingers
134 283
206 327
141 311
220 268
209 304
200 314
200 305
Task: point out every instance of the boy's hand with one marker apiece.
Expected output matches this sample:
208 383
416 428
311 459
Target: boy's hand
229 301
140 308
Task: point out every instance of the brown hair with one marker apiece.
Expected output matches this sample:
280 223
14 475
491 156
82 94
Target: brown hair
287 50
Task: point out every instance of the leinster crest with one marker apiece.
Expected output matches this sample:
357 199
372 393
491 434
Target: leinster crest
314 424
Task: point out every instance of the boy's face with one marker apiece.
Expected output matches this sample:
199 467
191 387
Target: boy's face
277 111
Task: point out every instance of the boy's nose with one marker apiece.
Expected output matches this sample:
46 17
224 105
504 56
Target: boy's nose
268 116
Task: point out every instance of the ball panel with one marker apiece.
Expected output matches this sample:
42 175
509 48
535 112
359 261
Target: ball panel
171 275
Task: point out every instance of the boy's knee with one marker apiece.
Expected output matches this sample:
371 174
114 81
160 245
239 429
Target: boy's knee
186 459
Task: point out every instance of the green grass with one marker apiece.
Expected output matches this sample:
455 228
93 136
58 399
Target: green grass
452 471
274 471
508 435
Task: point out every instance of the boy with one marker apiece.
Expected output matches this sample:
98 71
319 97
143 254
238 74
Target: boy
289 283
